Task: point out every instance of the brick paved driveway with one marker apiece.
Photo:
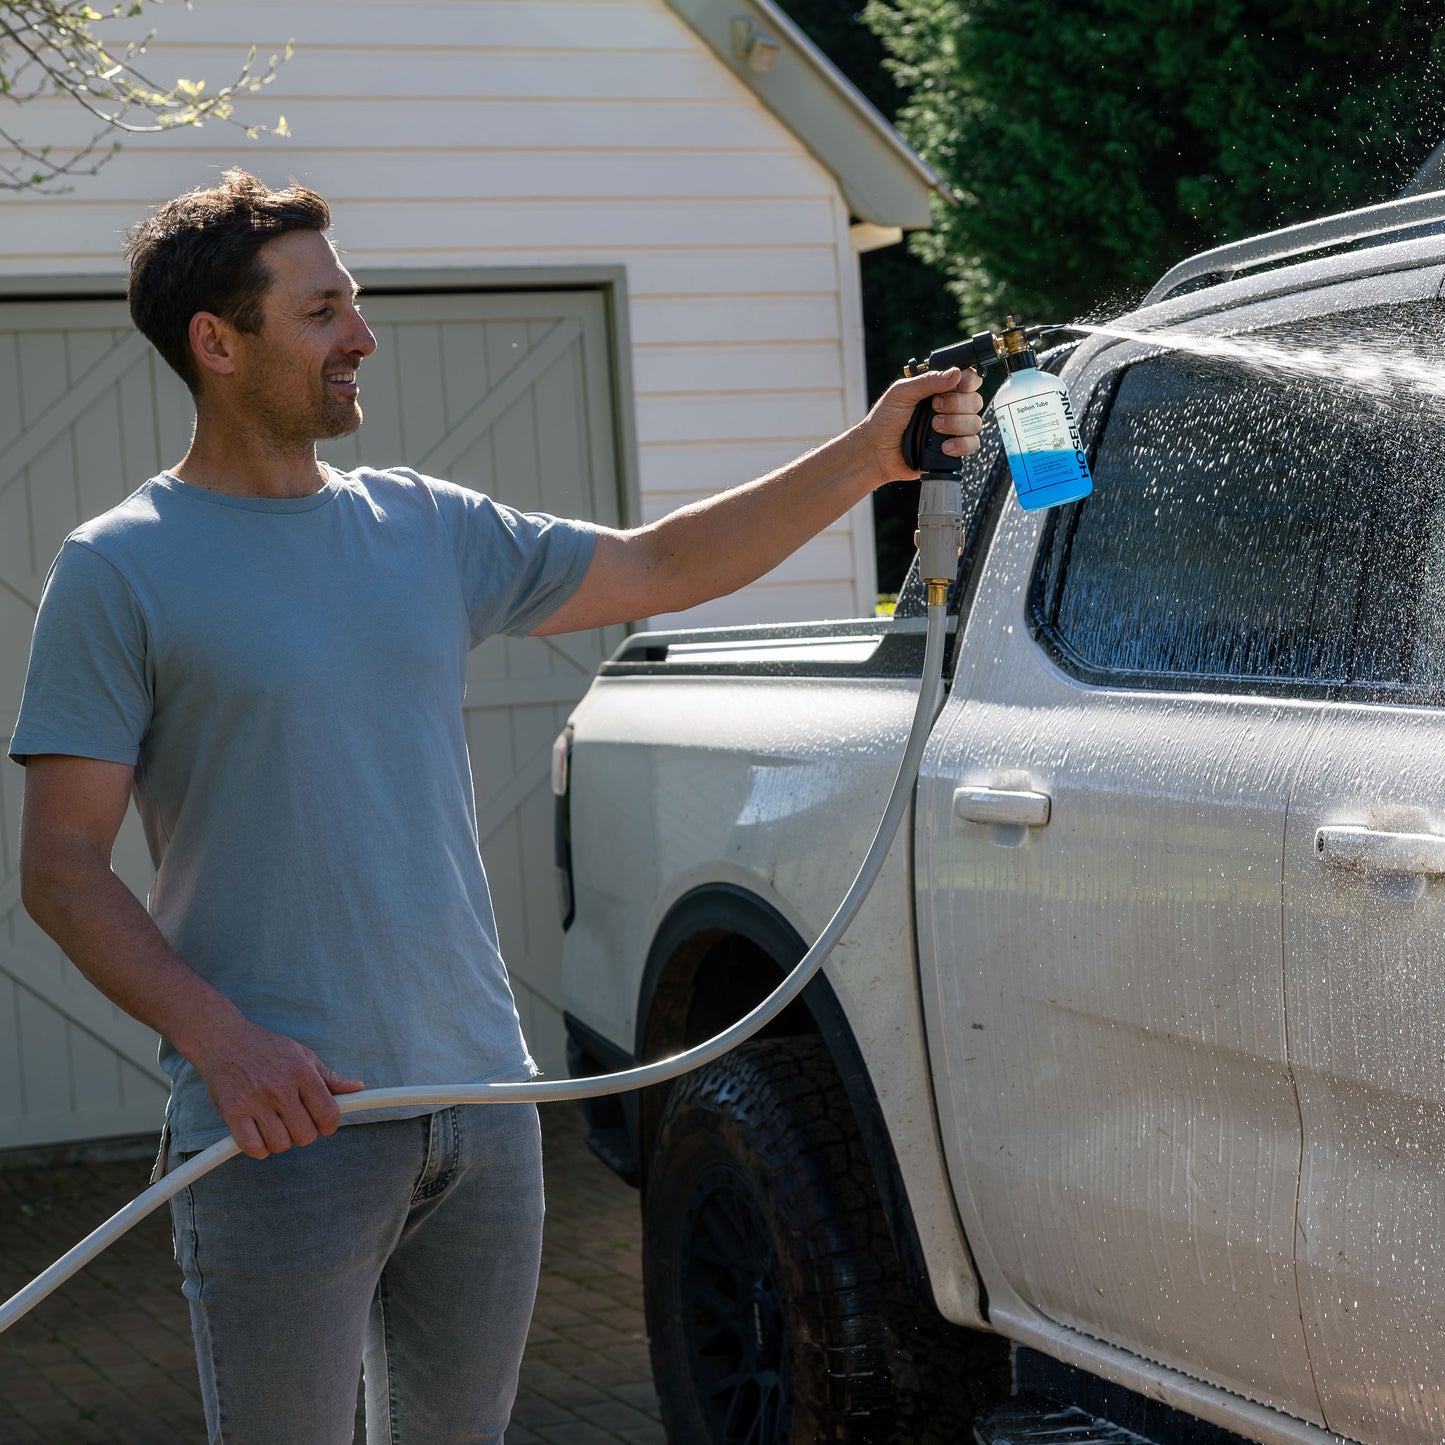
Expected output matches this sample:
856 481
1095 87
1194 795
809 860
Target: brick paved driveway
108 1358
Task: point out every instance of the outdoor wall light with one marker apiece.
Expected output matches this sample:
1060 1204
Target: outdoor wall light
756 47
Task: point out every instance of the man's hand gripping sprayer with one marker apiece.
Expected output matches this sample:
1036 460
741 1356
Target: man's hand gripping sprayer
940 521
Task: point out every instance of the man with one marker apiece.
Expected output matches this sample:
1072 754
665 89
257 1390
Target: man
270 657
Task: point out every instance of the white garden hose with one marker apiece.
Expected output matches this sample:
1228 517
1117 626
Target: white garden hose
535 1091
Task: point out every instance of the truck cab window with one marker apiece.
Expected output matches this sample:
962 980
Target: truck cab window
1237 531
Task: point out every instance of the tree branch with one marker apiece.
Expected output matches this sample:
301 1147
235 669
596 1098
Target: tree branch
55 48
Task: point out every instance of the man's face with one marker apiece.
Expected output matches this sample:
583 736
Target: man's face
296 377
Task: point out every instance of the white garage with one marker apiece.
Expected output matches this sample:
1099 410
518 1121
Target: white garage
611 267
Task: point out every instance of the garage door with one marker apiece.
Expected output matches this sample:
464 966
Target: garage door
507 392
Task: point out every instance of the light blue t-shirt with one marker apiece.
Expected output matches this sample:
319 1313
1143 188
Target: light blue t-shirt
287 676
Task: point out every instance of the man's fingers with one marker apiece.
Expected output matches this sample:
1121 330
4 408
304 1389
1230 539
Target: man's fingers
952 383
320 1107
959 441
957 424
957 403
961 446
316 1094
277 1134
958 413
248 1136
911 390
958 416
339 1083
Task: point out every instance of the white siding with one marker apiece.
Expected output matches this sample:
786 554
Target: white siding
466 133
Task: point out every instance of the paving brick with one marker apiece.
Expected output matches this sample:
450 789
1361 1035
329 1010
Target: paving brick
597 1336
641 1395
85 1429
176 1359
568 1351
52 1413
600 1372
53 1351
578 1432
15 1431
100 1395
555 1309
650 1432
634 1362
536 1413
570 1391
626 1319
613 1415
108 1352
31 1387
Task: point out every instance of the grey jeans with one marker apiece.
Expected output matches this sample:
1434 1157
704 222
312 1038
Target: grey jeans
412 1245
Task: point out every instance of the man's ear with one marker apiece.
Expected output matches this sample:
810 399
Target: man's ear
213 343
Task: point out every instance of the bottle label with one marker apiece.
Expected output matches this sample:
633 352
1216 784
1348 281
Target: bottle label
1046 454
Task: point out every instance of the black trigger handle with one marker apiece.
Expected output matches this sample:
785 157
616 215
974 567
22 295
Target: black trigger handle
923 447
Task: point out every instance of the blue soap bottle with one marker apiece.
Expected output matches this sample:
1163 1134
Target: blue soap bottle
1039 429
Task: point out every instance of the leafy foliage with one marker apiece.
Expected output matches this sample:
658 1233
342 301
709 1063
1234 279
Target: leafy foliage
1093 143
51 48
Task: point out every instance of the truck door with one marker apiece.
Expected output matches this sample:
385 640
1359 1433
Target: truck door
1365 952
1101 837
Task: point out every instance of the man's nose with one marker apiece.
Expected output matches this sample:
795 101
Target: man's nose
363 342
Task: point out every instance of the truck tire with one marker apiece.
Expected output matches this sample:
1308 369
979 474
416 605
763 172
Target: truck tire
775 1309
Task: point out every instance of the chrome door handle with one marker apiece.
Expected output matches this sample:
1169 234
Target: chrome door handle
1365 850
1001 805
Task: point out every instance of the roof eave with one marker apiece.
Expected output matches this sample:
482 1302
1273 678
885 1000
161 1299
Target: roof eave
883 179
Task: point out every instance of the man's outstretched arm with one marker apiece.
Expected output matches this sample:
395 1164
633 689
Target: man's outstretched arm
717 545
270 1091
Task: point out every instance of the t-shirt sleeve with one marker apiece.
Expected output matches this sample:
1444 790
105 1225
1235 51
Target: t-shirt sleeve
88 690
516 568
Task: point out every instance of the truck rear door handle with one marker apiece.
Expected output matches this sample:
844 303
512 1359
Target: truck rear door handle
1366 850
1001 805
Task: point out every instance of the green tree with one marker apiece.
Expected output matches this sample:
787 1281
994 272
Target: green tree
53 48
1094 143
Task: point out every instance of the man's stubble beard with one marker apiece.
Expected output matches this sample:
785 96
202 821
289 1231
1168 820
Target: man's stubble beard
330 419
345 418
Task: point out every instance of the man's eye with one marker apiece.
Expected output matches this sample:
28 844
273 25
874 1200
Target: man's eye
322 313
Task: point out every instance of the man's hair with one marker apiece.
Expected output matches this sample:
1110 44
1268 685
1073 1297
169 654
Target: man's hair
200 252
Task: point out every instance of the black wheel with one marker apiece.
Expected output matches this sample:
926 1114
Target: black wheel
775 1309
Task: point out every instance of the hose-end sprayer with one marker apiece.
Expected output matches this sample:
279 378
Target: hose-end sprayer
1040 435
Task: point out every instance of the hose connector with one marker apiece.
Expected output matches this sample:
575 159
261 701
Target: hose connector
940 534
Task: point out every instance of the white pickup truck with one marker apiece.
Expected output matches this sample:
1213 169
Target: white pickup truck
1119 1113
